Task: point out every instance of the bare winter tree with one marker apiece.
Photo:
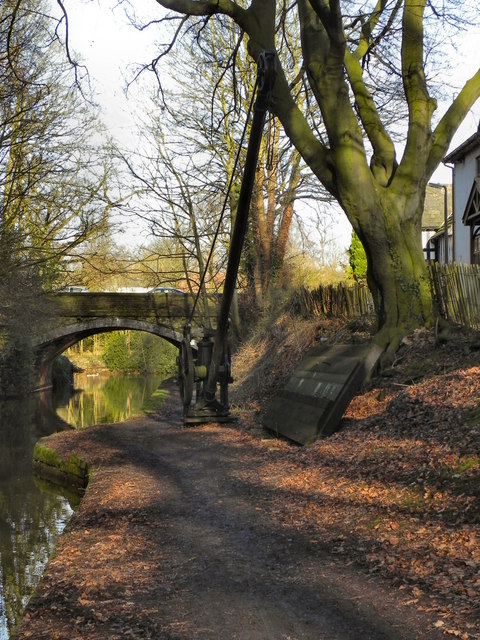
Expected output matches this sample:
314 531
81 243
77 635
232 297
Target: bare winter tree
53 171
197 132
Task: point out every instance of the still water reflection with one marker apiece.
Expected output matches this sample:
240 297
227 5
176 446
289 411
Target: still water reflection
30 518
32 514
101 398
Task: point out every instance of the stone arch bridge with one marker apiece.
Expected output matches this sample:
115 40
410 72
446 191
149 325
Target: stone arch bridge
79 315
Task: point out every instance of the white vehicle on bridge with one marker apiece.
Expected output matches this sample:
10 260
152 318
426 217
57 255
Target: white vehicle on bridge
73 289
165 290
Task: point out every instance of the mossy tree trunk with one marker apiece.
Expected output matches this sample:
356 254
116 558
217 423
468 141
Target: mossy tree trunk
397 275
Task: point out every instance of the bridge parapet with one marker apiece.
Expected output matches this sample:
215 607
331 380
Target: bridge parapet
158 308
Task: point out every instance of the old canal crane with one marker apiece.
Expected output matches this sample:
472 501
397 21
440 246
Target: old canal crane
204 356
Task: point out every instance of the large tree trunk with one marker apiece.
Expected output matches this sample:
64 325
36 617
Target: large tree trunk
397 272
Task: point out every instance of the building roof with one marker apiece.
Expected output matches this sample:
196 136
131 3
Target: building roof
460 152
441 229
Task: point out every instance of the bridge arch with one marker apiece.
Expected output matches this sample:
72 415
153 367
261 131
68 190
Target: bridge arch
53 343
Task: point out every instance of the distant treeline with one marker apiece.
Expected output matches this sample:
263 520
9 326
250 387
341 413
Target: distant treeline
129 351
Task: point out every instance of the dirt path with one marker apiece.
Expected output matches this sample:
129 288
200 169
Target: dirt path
176 538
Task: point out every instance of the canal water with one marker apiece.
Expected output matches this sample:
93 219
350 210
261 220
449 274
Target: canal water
32 512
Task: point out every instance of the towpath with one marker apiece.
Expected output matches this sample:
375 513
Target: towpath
178 538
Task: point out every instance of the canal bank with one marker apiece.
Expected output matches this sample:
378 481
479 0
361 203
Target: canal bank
187 533
34 509
31 515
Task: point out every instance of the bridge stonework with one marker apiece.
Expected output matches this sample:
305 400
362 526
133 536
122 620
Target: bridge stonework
80 315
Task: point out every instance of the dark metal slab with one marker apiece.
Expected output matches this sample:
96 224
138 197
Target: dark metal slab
313 401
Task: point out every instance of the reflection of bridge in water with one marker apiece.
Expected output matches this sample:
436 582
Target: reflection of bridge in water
80 315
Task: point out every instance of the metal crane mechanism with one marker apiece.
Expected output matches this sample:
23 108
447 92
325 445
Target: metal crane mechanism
204 355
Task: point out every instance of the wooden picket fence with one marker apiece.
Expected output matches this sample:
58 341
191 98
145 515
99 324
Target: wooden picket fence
456 288
339 300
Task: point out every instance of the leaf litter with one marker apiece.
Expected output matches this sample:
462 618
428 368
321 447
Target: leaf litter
392 496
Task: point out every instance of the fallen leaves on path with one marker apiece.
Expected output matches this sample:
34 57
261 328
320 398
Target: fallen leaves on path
396 490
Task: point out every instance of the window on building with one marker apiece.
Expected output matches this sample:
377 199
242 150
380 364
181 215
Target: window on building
430 251
475 244
477 166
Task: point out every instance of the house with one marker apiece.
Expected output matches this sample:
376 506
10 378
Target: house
465 163
436 212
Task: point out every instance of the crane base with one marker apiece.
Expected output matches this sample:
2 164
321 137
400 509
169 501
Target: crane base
204 413
205 419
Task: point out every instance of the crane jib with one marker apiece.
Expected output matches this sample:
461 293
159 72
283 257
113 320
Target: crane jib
213 361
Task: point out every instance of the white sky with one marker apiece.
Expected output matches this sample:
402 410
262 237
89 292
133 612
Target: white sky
109 46
468 64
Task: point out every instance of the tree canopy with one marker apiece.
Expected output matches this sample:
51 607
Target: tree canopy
369 125
54 176
189 164
54 173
